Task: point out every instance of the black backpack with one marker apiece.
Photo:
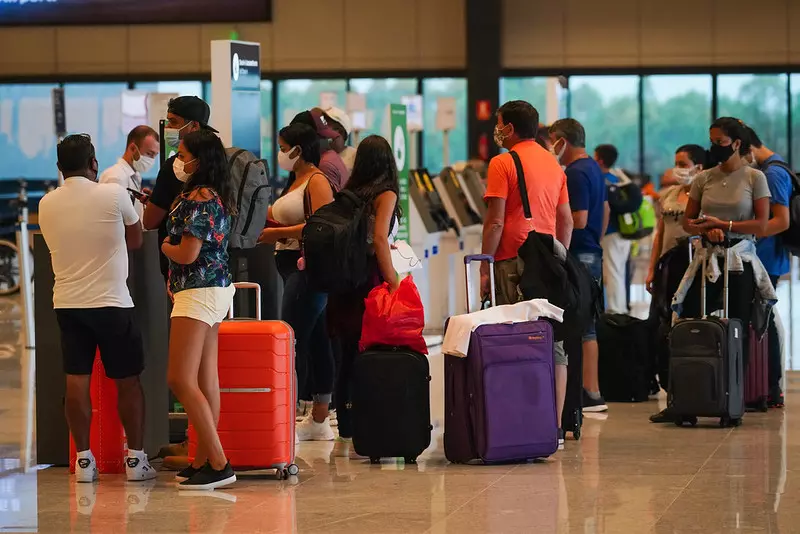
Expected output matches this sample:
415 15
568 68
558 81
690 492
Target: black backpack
624 197
335 245
250 180
790 238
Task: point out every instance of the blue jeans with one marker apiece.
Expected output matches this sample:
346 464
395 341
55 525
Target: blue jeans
594 263
304 310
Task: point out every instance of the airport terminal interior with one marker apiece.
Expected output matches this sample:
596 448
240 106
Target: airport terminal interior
429 75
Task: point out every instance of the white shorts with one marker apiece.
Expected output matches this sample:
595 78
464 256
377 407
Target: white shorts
207 304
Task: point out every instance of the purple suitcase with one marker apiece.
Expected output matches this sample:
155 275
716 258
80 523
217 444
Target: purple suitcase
500 400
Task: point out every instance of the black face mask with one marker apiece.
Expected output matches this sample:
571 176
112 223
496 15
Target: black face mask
721 153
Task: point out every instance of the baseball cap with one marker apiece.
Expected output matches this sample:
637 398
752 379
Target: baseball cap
191 108
341 117
316 119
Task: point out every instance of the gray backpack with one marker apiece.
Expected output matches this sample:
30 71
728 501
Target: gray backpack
250 179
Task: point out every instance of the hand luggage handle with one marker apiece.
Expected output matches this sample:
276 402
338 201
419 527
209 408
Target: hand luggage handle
248 285
725 276
469 259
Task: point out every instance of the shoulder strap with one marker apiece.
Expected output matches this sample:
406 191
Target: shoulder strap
523 187
785 166
234 157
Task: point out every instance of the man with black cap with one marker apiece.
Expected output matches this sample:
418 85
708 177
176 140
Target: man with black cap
330 163
185 114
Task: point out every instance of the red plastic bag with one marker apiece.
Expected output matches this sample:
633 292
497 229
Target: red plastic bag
394 319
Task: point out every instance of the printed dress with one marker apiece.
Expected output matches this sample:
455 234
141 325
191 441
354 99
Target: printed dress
208 221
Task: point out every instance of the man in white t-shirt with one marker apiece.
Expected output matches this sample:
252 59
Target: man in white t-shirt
89 228
140 155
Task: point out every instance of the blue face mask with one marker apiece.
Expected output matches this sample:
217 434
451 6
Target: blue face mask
172 138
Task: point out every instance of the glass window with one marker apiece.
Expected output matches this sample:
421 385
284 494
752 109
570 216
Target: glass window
795 85
677 111
534 91
295 96
608 108
267 127
96 109
379 94
433 139
27 135
760 100
184 88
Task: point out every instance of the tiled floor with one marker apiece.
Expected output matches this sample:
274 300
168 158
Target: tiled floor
625 476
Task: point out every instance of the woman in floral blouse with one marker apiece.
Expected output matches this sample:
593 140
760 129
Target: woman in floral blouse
198 228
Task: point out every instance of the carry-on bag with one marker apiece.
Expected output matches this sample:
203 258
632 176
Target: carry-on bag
257 392
396 379
572 414
624 365
500 400
705 368
756 376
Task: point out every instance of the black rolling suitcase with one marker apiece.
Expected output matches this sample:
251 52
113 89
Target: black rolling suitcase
572 415
705 369
624 367
395 381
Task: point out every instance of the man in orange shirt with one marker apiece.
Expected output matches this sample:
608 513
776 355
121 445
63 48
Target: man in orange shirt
505 227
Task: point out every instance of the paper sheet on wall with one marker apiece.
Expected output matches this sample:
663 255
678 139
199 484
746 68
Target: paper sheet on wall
403 258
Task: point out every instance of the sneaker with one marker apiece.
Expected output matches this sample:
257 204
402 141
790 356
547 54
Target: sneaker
593 405
310 430
561 439
86 469
775 398
664 416
187 473
138 468
208 479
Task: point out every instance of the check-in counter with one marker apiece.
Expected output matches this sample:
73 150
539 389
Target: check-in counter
149 295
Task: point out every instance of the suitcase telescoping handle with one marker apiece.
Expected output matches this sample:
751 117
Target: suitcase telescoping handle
725 271
471 258
248 285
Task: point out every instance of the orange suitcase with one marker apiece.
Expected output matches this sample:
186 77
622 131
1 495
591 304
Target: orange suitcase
257 393
107 438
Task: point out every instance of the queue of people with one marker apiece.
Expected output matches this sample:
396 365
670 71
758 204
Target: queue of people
737 192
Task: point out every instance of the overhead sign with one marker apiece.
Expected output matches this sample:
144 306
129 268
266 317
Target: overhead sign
59 113
102 12
245 66
398 138
446 113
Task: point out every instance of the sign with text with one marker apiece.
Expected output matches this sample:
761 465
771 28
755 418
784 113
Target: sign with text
446 113
398 138
101 12
245 69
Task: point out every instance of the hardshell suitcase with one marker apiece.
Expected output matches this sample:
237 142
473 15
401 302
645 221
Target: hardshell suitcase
756 376
107 436
624 365
398 379
257 393
500 399
706 375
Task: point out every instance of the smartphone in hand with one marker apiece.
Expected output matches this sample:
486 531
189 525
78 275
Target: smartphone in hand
138 195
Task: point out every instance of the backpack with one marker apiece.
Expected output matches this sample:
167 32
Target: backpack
335 245
250 181
790 238
638 224
623 196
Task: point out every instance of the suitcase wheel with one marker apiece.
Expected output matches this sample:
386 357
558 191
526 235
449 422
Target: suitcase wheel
576 434
292 470
728 422
410 460
374 461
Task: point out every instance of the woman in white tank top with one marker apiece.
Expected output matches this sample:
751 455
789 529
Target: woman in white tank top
303 308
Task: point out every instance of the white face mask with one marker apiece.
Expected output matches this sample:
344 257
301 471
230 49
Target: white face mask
143 164
286 162
683 176
178 167
560 153
172 136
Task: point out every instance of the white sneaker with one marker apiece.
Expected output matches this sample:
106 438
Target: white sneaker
86 469
138 468
310 430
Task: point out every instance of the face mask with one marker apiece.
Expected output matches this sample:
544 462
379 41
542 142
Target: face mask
721 153
286 162
499 136
683 176
178 167
172 137
560 153
143 164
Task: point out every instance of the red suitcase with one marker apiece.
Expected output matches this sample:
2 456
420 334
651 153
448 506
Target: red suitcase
107 437
257 390
756 377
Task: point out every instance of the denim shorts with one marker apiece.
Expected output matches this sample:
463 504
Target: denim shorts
594 263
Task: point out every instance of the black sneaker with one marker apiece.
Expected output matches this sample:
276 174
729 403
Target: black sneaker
664 416
593 405
561 439
208 478
187 473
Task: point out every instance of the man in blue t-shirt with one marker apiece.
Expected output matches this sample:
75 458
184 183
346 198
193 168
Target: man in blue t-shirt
770 249
616 249
590 213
